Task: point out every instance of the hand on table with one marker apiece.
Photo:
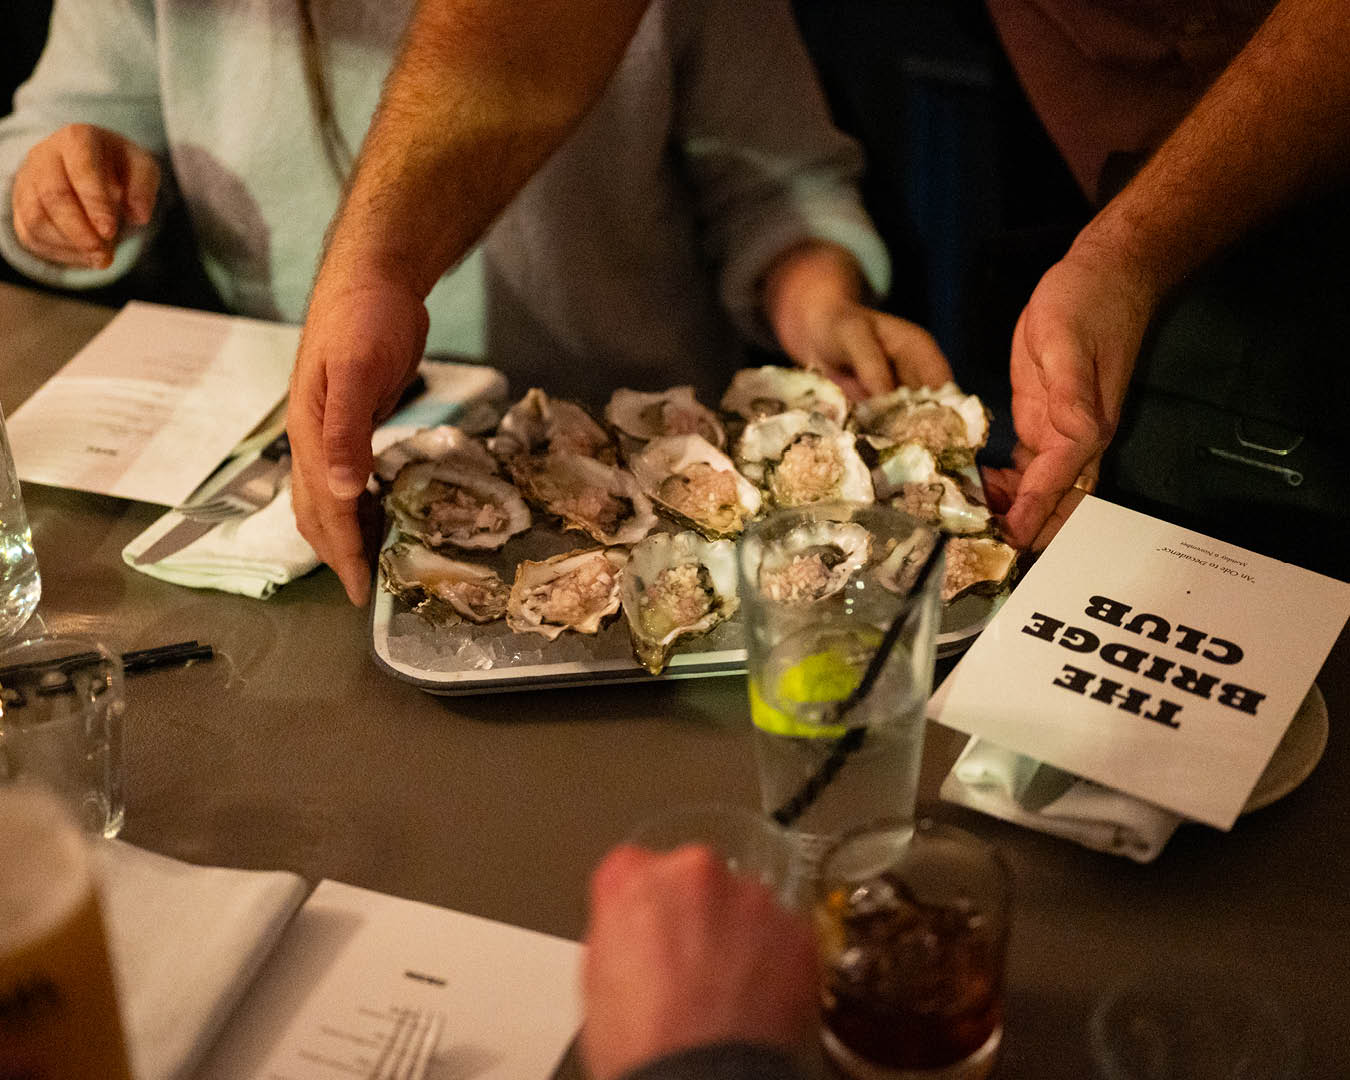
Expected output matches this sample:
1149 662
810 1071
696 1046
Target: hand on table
682 953
76 189
1072 354
811 299
360 347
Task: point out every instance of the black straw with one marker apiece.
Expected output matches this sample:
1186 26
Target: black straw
134 662
852 739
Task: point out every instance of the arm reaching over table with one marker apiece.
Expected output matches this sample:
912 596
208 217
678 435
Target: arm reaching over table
482 93
1271 129
686 961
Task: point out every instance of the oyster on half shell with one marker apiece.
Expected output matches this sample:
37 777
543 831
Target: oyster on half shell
798 458
952 425
538 424
696 484
440 504
811 561
576 590
640 417
674 586
909 478
601 500
442 590
445 443
764 391
974 564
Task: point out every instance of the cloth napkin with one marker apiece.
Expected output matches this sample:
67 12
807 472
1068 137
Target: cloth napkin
1028 792
257 554
185 942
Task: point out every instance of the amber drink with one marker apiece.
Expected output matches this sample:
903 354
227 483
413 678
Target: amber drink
913 928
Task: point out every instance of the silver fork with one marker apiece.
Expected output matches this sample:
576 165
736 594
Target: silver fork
249 490
411 1046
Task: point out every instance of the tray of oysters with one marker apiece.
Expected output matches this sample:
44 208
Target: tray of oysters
560 547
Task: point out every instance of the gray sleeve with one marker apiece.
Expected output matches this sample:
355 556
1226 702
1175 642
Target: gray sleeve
724 1061
100 67
768 166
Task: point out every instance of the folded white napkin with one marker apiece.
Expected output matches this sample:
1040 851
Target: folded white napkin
252 555
1028 792
185 942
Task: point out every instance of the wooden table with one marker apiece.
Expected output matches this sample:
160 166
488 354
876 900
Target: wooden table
293 751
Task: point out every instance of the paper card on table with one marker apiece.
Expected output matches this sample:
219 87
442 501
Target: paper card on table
1151 659
153 403
325 1003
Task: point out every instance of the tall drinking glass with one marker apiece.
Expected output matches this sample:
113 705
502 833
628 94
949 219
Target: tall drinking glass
841 607
20 585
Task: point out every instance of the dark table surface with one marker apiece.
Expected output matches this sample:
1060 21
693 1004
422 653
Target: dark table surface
294 751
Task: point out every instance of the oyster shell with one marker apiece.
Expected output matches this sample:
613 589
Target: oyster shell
674 586
601 500
443 590
798 458
977 564
696 483
974 564
539 424
950 424
441 504
576 590
764 391
812 561
911 480
641 417
445 443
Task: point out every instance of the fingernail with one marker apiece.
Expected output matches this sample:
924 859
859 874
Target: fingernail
106 226
344 483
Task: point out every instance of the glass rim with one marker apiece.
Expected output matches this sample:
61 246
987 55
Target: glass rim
924 828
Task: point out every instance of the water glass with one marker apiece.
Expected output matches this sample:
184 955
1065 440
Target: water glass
912 924
61 707
841 608
20 585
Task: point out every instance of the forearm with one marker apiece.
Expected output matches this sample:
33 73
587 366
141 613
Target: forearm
483 91
1273 127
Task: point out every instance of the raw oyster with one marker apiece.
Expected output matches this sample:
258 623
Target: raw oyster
911 480
812 561
952 425
601 500
675 586
446 443
697 484
977 564
974 564
444 591
640 417
764 391
441 504
798 458
539 424
572 591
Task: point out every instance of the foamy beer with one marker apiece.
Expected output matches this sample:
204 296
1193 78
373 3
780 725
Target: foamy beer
58 1008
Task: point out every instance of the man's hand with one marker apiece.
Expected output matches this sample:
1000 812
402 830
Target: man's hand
682 953
360 348
76 189
811 299
1072 354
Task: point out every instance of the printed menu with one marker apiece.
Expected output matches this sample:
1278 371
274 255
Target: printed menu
1151 659
155 401
353 963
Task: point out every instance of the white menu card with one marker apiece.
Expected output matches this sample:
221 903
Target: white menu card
328 999
153 403
1151 659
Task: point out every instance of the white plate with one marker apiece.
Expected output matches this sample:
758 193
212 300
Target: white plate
1296 755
